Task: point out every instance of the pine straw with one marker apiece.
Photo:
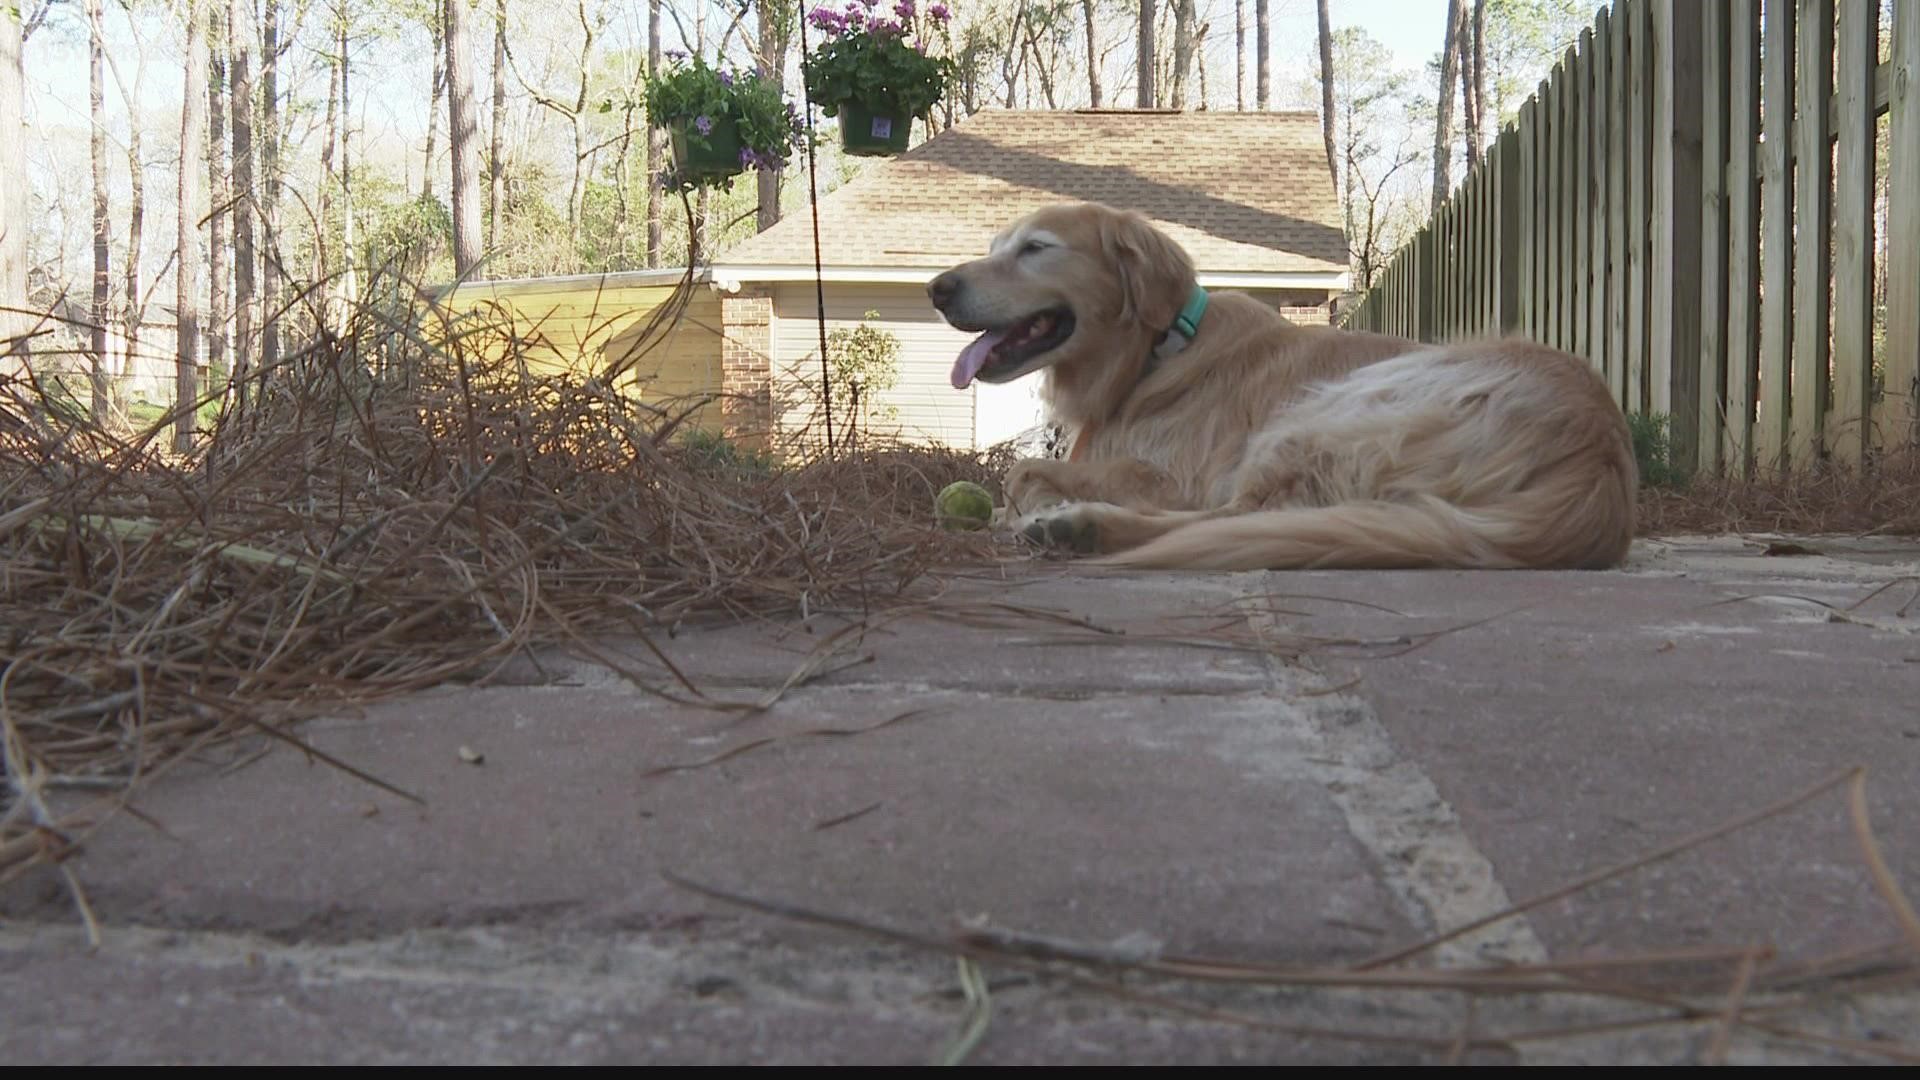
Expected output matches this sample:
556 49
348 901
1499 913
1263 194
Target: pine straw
1881 500
385 514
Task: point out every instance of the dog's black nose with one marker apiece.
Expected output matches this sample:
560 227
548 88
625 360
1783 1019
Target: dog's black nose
941 290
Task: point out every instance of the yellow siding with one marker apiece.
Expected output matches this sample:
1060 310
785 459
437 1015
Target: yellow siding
590 329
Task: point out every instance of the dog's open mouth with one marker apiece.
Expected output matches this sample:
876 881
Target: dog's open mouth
1004 351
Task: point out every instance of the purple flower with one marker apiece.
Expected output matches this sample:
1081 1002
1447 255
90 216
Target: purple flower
939 12
703 124
726 77
856 17
826 19
676 54
904 9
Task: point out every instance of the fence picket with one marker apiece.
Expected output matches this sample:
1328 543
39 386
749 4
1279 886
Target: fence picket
1776 231
1716 95
1848 431
1743 229
1899 412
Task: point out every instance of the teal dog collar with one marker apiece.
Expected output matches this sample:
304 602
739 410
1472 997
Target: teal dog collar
1186 325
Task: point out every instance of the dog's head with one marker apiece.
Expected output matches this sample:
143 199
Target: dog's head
1067 285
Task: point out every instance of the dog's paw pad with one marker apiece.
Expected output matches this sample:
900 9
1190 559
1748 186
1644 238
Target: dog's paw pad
1066 531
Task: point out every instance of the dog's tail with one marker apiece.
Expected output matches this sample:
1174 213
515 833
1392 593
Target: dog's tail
1427 532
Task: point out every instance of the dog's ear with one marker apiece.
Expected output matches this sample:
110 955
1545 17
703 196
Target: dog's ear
1155 273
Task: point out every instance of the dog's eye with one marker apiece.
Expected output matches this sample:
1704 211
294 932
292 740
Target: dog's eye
1032 246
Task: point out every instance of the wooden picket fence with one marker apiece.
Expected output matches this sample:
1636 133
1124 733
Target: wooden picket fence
1689 202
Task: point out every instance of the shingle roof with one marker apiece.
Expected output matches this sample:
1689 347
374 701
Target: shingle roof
1244 192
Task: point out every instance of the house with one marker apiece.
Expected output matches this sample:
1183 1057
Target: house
1249 195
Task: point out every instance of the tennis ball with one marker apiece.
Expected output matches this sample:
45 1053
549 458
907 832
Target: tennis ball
963 504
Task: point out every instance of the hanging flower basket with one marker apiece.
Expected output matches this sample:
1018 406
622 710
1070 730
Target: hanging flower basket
720 123
873 72
868 132
714 155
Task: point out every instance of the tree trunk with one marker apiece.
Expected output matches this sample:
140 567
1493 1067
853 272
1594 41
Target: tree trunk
1145 58
1183 49
133 310
1443 111
329 138
576 121
1014 61
136 239
1240 55
348 256
773 64
1040 67
656 146
101 366
1477 80
463 140
1326 90
1263 51
1469 124
14 325
496 154
186 355
1093 56
219 198
437 88
271 275
240 75
1200 68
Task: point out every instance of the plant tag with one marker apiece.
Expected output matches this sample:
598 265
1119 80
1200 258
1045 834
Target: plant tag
883 127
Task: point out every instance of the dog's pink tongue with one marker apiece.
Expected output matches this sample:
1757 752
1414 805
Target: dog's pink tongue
974 357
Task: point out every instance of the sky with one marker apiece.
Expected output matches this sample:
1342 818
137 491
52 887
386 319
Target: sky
1412 29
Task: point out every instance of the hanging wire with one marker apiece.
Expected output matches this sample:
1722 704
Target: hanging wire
813 200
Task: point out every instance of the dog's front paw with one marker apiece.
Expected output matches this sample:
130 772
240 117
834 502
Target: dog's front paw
1029 486
1066 528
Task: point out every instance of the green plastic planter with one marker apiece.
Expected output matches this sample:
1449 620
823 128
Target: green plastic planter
866 132
719 157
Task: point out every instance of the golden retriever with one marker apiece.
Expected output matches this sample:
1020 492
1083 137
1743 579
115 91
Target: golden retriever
1261 444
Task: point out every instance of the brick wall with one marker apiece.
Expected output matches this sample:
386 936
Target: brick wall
746 367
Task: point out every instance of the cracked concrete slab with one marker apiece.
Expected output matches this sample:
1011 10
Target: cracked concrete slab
1245 802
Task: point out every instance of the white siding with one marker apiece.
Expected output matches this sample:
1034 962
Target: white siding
927 406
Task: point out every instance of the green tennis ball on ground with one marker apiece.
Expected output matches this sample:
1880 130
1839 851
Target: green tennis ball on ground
963 504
